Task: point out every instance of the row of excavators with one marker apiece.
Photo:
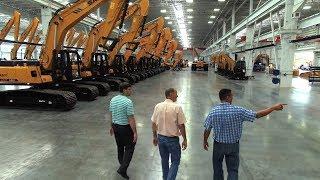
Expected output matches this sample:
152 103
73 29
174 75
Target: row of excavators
61 76
228 67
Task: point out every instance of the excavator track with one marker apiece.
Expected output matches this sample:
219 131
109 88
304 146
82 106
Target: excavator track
46 98
114 83
82 91
103 87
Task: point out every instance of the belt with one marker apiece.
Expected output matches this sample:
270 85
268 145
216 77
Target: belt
225 143
168 136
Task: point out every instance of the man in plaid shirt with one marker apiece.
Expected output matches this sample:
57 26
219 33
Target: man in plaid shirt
226 121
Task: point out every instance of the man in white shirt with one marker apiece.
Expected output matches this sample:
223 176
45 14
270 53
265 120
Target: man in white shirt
167 125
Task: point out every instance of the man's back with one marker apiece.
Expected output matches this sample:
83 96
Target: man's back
168 115
121 107
226 121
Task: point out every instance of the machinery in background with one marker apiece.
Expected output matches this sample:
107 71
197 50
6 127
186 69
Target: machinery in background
47 76
228 67
260 63
199 65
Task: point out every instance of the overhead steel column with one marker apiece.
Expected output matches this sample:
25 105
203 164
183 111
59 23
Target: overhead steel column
248 54
46 15
287 49
232 45
251 7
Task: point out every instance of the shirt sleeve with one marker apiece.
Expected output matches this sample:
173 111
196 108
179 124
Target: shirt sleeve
248 115
130 110
208 122
110 106
181 117
154 115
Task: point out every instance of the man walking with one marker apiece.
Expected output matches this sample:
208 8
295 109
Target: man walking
167 125
123 126
226 121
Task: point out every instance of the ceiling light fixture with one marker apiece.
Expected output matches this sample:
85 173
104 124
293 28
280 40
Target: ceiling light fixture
216 9
307 7
130 3
167 17
170 22
212 17
189 17
189 22
163 11
178 12
189 1
189 10
189 29
210 22
221 0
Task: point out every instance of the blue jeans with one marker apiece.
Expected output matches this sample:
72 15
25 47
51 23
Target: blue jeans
231 153
169 146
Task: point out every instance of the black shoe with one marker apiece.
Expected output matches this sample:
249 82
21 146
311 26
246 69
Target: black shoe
123 174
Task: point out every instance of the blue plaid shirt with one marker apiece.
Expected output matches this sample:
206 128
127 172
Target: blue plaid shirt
226 121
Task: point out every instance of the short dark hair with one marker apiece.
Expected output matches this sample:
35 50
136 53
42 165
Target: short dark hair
224 93
123 86
169 91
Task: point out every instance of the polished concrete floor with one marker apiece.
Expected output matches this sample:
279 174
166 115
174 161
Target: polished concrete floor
37 144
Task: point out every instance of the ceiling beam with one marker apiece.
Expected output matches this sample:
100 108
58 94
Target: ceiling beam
262 11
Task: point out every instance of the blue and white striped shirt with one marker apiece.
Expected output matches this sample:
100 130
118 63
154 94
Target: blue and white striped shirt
226 121
121 107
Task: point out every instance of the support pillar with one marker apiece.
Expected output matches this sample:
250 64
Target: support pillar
287 49
316 53
232 45
251 7
46 15
224 27
248 54
233 17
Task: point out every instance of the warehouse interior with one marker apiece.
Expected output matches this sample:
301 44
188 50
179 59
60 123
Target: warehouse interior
62 61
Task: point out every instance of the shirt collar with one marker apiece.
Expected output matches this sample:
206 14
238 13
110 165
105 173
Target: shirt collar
224 103
168 100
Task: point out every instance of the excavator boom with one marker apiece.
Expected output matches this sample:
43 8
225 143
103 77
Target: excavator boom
30 48
14 21
137 19
165 36
30 31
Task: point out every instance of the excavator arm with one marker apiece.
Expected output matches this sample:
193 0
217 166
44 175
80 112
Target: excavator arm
70 36
30 31
138 16
171 49
101 31
14 21
60 25
150 33
166 35
82 41
30 48
76 39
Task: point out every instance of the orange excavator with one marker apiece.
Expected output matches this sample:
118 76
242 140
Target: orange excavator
168 58
13 22
117 61
134 63
30 48
52 69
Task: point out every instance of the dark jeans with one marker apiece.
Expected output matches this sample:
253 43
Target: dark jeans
124 138
169 146
231 153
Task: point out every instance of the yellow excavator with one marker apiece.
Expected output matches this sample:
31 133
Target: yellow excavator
168 57
134 63
30 48
51 70
13 22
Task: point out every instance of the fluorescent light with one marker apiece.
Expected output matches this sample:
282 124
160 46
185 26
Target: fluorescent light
216 9
212 17
307 7
170 22
189 22
178 12
210 22
189 17
173 30
189 29
167 17
189 10
221 0
130 3
163 11
189 1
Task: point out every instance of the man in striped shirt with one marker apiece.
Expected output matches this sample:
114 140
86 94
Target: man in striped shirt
226 121
123 126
